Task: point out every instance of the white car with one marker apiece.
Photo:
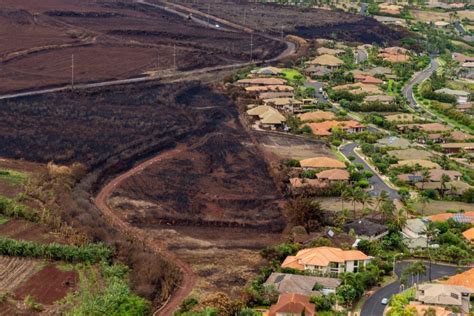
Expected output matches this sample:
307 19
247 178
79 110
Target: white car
218 26
385 301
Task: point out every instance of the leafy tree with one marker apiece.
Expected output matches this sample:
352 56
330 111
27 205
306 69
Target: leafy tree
304 212
346 294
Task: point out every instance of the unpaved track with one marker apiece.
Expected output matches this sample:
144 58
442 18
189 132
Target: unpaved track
159 248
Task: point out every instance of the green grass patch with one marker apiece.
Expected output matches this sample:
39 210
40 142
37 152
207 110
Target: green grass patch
3 220
13 177
461 85
293 75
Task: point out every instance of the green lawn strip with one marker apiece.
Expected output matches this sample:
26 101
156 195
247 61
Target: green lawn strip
338 154
293 75
3 219
13 177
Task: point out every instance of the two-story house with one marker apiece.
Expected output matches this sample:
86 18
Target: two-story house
327 261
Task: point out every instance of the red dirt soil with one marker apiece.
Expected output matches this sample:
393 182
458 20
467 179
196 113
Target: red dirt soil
48 285
24 230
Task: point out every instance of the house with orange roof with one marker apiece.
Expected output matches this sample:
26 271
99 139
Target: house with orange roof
394 54
333 175
291 304
325 128
359 88
466 217
367 79
260 82
322 163
465 279
316 116
276 88
469 235
327 261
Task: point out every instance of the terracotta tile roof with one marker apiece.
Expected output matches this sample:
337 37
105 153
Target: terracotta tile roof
469 235
326 60
458 145
282 101
322 257
297 183
272 95
460 136
465 217
322 162
359 87
394 58
464 279
262 81
269 88
290 303
329 51
324 128
334 175
316 116
436 174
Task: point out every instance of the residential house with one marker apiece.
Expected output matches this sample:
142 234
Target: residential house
420 162
414 234
454 188
389 20
327 261
469 235
267 117
466 217
314 71
366 229
291 304
454 148
410 177
465 279
300 185
329 51
261 82
328 61
460 95
325 128
359 88
276 88
386 99
366 79
462 58
285 104
427 127
379 71
394 54
459 136
444 295
302 284
468 64
333 175
322 163
441 24
466 107
393 141
316 116
437 174
269 71
274 95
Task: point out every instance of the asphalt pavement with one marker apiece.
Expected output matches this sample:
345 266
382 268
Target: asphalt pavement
374 307
375 181
361 55
408 90
317 94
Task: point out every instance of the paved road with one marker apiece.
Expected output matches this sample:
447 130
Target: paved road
375 181
361 55
316 85
419 77
373 305
363 8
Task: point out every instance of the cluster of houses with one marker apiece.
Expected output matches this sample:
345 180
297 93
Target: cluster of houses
322 123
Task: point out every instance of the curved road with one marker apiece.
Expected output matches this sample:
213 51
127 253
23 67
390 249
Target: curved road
374 307
419 77
375 181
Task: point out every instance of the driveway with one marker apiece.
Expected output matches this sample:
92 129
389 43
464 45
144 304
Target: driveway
373 305
363 8
316 85
375 181
419 77
361 55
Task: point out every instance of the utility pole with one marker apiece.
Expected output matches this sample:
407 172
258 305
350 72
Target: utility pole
251 47
72 72
174 56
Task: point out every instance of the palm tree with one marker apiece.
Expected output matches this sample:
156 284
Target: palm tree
387 209
426 175
345 197
400 218
444 180
423 200
381 198
355 195
366 199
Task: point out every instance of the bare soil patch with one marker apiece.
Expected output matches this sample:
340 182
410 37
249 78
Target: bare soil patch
24 230
48 285
109 40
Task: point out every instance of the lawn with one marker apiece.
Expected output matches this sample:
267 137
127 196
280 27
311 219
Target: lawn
461 85
292 74
411 153
437 207
13 177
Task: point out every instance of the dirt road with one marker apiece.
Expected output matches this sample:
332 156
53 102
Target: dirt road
159 248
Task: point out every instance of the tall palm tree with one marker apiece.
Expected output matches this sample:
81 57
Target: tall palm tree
444 180
381 198
400 218
426 174
366 199
345 196
423 200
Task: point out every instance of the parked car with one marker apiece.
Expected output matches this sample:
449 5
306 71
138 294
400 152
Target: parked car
385 301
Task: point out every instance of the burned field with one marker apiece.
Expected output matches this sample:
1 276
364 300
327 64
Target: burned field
109 40
304 22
